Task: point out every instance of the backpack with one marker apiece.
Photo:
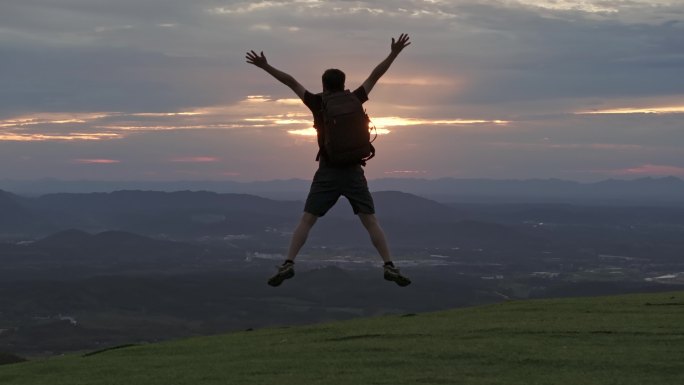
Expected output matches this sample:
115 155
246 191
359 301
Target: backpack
346 130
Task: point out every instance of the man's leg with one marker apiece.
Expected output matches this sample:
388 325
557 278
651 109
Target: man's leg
286 270
377 235
370 222
300 235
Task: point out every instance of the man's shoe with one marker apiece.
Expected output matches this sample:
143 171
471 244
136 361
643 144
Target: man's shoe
285 271
392 274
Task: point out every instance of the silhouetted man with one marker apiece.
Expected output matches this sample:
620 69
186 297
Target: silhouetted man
330 182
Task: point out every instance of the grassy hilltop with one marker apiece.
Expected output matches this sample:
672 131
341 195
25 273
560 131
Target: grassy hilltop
633 339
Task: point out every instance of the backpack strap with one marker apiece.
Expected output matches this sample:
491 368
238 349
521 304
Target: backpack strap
369 157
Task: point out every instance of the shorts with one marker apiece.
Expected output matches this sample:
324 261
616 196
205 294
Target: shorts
330 183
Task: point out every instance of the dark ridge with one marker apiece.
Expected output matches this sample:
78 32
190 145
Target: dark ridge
356 337
68 237
109 349
8 358
389 203
369 336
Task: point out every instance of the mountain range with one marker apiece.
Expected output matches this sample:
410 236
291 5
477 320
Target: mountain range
651 191
409 218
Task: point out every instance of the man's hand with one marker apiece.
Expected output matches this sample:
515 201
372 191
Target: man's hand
260 60
381 68
400 44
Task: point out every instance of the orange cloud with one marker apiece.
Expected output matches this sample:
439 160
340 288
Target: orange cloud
406 172
651 169
547 144
382 122
21 137
196 159
395 121
312 131
637 110
423 81
252 111
51 118
96 161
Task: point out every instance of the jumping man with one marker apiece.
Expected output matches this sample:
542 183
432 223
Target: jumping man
332 181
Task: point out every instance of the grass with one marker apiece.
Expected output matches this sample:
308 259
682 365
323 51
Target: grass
633 339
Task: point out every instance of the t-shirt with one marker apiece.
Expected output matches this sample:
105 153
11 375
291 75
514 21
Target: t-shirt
315 104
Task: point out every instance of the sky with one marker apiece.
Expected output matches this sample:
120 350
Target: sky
506 89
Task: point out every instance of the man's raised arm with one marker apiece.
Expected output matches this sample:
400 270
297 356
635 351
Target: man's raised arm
260 61
381 68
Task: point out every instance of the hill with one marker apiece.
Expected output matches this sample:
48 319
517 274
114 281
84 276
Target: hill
649 191
634 339
195 213
14 218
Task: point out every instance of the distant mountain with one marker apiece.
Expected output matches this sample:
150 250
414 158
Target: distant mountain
71 238
157 200
401 206
409 207
649 191
201 213
652 191
283 188
172 213
9 205
408 218
244 220
15 218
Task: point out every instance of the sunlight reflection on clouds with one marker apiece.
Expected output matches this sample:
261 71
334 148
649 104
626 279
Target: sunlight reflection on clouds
244 114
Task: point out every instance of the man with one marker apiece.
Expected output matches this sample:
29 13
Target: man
330 182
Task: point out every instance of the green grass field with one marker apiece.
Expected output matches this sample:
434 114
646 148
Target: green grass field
633 339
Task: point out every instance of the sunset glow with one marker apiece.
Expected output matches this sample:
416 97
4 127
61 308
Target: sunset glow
312 131
196 159
45 137
96 161
642 110
303 132
650 169
582 90
395 121
51 118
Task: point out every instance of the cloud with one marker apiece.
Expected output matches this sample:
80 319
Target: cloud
253 111
396 121
409 173
260 27
196 159
647 170
638 110
546 144
601 79
246 113
568 5
96 161
508 50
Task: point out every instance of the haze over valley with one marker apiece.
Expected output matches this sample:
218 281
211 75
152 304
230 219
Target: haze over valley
84 271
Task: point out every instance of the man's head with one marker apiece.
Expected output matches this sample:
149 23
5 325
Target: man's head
333 80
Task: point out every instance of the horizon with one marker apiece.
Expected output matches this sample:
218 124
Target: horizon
523 89
644 191
305 179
